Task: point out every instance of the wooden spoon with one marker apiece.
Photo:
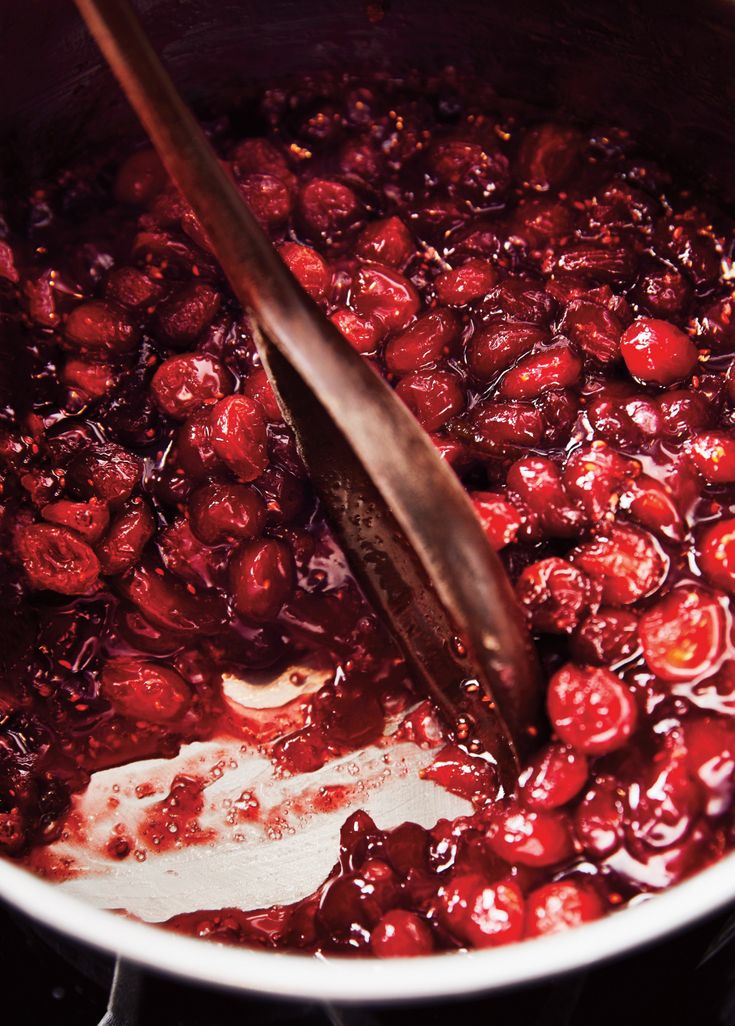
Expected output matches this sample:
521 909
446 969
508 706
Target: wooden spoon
408 527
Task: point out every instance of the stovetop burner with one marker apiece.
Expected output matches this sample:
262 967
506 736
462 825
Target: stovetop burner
688 980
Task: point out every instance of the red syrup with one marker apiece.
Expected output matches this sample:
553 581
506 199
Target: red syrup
556 310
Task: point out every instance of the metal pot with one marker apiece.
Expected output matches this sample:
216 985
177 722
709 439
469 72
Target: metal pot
664 71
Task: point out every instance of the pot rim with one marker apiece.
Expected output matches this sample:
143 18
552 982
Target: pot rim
372 980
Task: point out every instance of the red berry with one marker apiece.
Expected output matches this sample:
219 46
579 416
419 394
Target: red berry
259 388
89 519
140 178
239 436
92 379
556 595
220 512
716 557
362 333
501 428
183 383
481 914
262 578
613 265
170 606
100 328
129 533
401 934
554 776
626 561
493 349
476 173
713 455
461 285
529 837
56 559
347 712
710 754
131 288
268 198
194 447
427 341
593 328
145 691
183 317
594 475
538 483
598 819
652 505
683 636
561 906
591 709
607 637
433 396
554 367
548 155
469 776
657 352
105 472
308 267
253 156
387 241
500 519
327 209
382 293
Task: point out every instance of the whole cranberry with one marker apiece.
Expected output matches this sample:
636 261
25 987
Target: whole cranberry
501 428
556 366
555 595
625 560
140 178
100 328
56 559
401 934
381 293
553 777
653 505
220 512
129 533
683 635
327 209
387 241
362 333
360 898
606 637
255 156
481 914
238 436
495 348
716 554
89 519
183 383
683 412
559 906
433 396
657 352
717 324
195 451
94 380
461 285
144 690
183 317
598 819
308 267
106 472
713 455
591 709
529 837
262 578
427 341
710 755
595 475
501 520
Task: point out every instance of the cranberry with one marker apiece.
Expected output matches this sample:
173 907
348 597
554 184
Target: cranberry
219 512
57 559
657 352
327 209
380 292
428 339
469 776
500 519
713 455
259 388
308 267
268 198
195 449
539 221
262 577
183 383
625 560
360 898
89 519
407 848
145 691
529 837
716 557
238 436
598 819
476 173
482 914
129 533
500 428
493 349
663 806
140 178
554 776
519 300
594 329
105 472
130 288
594 263
555 367
710 755
548 155
607 637
692 248
652 504
683 413
183 317
347 713
434 397
100 328
595 475
664 292
92 379
555 595
683 635
253 156
561 906
171 607
362 333
717 323
536 480
387 241
401 934
591 709
461 285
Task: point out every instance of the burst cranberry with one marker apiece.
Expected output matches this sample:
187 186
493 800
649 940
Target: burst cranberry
387 241
594 329
183 317
170 606
529 837
92 379
56 559
461 285
100 328
307 267
591 709
195 450
519 300
253 156
474 172
129 533
347 713
606 637
595 475
381 293
556 595
218 512
548 155
713 455
555 367
140 178
145 691
664 292
625 560
493 349
536 480
327 208
652 505
259 388
429 339
131 288
555 776
268 198
434 397
480 914
613 265
710 754
500 519
106 472
360 898
716 556
238 436
468 776
662 806
683 635
692 247
401 934
598 819
501 428
90 519
183 383
657 352
362 333
538 221
262 577
561 906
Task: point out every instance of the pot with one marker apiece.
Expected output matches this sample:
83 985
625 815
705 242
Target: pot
663 72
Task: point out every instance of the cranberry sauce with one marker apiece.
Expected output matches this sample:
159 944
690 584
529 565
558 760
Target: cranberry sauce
556 311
